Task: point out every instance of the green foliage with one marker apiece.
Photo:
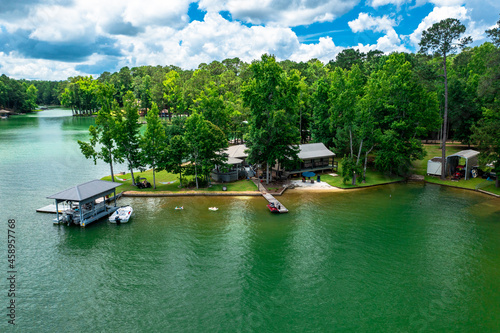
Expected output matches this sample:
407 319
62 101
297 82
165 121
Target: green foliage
272 97
103 135
443 37
494 34
177 153
153 142
486 135
173 92
126 132
403 111
31 97
205 142
350 169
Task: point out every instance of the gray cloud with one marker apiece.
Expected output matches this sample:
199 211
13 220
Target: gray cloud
22 7
122 28
73 51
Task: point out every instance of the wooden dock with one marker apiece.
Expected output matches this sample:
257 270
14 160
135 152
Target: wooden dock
270 198
51 209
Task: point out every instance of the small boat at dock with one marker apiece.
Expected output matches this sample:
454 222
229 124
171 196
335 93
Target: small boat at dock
121 215
273 208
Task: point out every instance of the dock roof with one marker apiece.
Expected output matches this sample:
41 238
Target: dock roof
86 191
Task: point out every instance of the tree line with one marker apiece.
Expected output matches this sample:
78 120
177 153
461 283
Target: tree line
359 104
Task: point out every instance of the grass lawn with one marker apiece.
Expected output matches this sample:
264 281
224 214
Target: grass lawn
163 177
433 150
373 177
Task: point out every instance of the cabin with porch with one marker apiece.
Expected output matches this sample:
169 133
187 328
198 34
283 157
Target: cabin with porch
236 166
314 157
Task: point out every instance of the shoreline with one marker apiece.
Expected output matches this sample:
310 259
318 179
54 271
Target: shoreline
297 189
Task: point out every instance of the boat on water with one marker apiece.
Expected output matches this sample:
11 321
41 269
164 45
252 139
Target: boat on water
213 209
273 208
179 208
121 215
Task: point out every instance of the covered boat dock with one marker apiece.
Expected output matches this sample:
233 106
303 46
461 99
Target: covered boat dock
82 203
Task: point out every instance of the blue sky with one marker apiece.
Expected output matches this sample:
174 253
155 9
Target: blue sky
55 39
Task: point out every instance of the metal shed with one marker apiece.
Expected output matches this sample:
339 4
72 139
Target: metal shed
434 166
471 160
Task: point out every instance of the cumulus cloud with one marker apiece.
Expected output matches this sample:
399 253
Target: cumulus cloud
437 14
282 12
367 22
380 3
20 67
390 42
325 50
55 39
213 39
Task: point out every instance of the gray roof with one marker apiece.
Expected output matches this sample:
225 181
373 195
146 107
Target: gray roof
469 153
237 151
86 190
233 160
314 150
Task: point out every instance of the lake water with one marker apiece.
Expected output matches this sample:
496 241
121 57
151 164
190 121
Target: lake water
395 258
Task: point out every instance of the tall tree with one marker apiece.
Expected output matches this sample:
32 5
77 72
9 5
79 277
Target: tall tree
31 94
103 135
153 141
443 38
127 133
206 142
176 155
172 93
486 134
403 112
272 97
494 34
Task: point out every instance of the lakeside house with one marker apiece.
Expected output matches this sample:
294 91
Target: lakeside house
236 166
312 157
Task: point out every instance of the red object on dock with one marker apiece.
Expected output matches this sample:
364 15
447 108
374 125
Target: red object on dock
272 208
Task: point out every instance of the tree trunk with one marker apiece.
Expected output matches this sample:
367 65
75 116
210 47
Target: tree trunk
111 167
359 152
445 122
366 162
154 180
350 142
196 171
180 176
131 172
497 181
267 173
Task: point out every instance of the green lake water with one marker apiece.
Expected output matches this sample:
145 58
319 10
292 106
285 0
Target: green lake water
398 258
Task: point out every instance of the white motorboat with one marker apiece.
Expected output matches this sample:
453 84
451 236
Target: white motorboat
213 209
121 215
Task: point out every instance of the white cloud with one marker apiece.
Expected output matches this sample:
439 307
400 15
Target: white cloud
325 50
380 3
437 14
213 39
286 13
367 22
20 68
390 42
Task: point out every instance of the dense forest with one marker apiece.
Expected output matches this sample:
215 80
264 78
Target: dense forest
358 104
